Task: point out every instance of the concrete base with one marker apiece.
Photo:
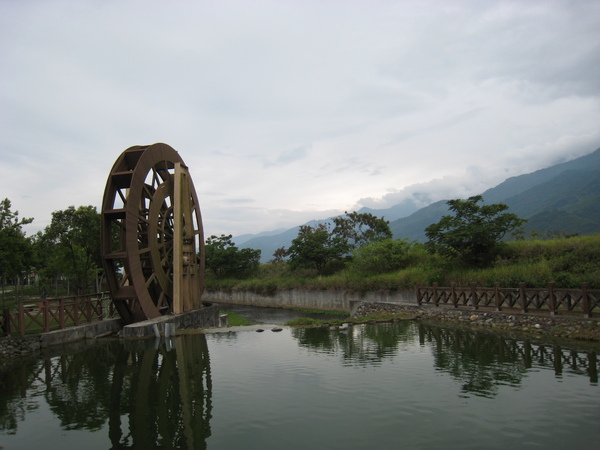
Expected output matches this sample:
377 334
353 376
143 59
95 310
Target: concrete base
223 320
207 317
87 331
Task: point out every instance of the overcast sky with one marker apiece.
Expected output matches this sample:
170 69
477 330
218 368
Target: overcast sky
287 111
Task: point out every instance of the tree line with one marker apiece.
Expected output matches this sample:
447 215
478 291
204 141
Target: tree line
66 256
471 236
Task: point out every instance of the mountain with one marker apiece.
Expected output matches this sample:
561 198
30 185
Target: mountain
243 238
403 209
562 198
267 244
517 185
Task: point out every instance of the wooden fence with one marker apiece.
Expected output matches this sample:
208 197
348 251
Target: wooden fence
552 299
57 313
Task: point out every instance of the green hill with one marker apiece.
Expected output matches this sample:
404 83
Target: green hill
564 198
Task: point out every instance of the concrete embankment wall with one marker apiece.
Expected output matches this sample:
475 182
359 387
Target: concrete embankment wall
87 331
331 300
207 317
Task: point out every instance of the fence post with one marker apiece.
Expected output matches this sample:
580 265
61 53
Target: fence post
101 307
552 298
76 311
436 294
88 308
21 319
522 297
586 301
474 299
61 313
453 294
497 296
6 321
46 315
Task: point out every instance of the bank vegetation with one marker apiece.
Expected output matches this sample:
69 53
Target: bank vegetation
400 265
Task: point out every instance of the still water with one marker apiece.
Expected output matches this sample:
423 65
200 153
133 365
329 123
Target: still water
386 386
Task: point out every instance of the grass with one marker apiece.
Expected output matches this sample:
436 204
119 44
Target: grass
235 320
304 322
378 317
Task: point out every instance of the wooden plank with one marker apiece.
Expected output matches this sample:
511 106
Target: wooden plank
178 241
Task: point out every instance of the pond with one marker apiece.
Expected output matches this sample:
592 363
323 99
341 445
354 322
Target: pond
400 385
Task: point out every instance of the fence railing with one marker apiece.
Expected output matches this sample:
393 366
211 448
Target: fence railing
56 313
552 299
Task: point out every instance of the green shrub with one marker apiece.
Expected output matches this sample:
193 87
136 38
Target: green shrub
386 256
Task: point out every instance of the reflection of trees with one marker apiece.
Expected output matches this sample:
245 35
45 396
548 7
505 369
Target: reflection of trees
479 361
150 394
14 403
74 384
360 344
483 361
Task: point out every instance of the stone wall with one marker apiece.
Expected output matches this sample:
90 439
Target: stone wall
539 324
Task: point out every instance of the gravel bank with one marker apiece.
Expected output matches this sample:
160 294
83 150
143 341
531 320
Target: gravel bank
560 326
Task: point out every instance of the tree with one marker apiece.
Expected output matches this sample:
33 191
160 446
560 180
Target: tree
70 246
279 255
225 259
386 256
15 248
358 229
315 247
473 233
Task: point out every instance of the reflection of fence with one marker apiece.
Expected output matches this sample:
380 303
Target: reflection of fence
551 298
57 313
510 351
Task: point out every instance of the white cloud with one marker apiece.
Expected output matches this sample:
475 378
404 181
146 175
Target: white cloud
292 111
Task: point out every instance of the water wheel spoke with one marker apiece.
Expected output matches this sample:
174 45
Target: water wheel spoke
150 279
165 261
122 196
161 300
147 193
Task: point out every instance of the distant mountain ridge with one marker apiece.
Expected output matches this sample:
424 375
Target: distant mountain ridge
566 192
561 198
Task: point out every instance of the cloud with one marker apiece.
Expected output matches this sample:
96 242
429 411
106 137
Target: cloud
290 156
292 110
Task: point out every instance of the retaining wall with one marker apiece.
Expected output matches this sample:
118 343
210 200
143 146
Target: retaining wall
331 300
87 331
207 317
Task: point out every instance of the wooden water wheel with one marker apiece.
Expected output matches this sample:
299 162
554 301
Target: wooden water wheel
152 237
